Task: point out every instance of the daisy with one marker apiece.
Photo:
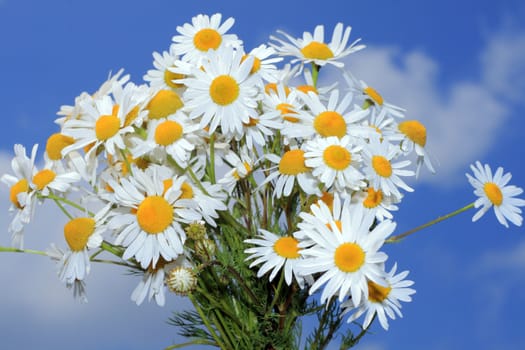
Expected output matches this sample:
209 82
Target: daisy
335 161
81 234
493 191
285 102
164 74
371 97
414 139
381 172
100 124
345 251
147 219
48 180
223 92
182 280
275 253
334 119
54 146
312 48
259 129
167 136
383 300
263 62
21 195
291 168
376 202
241 167
203 34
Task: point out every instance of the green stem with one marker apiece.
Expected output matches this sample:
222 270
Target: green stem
315 74
17 250
399 237
207 324
212 159
68 202
277 292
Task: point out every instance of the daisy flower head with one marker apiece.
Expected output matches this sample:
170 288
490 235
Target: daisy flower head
167 136
275 253
345 252
223 93
383 299
241 167
148 216
264 63
81 234
259 129
53 180
203 34
312 48
414 138
371 97
493 191
377 202
101 124
380 169
335 162
165 73
287 103
333 119
21 194
290 168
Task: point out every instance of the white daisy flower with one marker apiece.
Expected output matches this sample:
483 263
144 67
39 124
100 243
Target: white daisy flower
151 285
48 180
275 253
285 102
345 252
203 34
81 234
312 48
382 125
241 167
335 162
371 97
223 92
263 63
493 191
334 119
259 129
22 197
165 72
381 172
291 168
167 136
383 300
99 124
414 139
54 146
377 202
148 217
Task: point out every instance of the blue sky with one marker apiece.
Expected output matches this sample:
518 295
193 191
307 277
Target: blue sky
457 66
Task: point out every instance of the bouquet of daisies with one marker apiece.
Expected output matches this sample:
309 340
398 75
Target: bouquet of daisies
231 177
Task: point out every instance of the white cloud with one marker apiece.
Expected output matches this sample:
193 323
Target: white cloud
464 118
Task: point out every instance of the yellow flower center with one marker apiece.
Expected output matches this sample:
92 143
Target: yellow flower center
248 168
287 247
307 88
154 214
328 199
20 187
272 87
374 95
493 193
330 123
415 131
187 191
317 50
169 76
77 232
168 132
56 143
292 163
106 127
382 166
163 104
377 293
224 90
349 257
373 199
43 178
206 39
131 116
256 63
286 109
251 123
337 157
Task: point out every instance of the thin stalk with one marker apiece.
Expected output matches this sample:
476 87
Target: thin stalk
315 74
206 322
277 292
68 202
61 206
399 237
212 159
17 250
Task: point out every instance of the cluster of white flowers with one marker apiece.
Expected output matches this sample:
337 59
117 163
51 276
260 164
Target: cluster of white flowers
214 121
